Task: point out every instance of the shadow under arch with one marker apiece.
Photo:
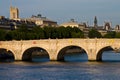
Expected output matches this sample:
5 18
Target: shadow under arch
34 52
99 54
6 55
72 49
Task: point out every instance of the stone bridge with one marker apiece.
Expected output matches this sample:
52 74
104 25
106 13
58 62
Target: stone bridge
56 47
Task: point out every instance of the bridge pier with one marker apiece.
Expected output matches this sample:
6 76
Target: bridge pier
92 55
52 55
90 58
18 56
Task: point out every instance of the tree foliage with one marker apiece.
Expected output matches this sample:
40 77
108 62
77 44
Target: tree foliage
110 34
35 33
25 33
117 35
93 33
2 34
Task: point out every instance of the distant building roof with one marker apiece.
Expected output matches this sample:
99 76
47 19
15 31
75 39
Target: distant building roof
39 17
1 17
42 21
71 23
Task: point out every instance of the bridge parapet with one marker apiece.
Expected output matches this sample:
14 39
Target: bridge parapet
54 46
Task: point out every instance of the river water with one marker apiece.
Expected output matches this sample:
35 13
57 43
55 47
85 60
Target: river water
109 69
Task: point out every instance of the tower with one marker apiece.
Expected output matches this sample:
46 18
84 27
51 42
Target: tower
14 13
95 22
107 25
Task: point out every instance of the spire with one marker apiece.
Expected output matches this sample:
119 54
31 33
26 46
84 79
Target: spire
95 22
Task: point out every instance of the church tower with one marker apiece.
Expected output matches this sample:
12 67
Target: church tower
14 13
107 25
95 22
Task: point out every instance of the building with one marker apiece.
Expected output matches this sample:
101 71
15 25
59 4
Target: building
95 22
72 23
14 21
107 26
2 17
117 28
38 20
41 21
14 13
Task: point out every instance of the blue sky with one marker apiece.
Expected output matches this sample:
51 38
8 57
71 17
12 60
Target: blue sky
64 10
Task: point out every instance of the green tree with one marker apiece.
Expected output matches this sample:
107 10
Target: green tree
23 33
60 32
93 33
54 33
63 32
22 28
75 29
110 34
30 36
20 33
8 36
38 32
2 35
47 31
117 35
77 35
69 32
16 35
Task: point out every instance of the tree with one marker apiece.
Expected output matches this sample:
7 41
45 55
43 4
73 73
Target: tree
54 33
65 32
117 35
30 36
22 33
110 34
77 35
47 32
8 35
2 34
38 32
93 33
23 28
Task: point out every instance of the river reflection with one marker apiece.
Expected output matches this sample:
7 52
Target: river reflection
60 71
54 70
111 56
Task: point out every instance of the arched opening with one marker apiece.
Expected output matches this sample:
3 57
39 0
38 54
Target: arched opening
35 54
72 54
108 54
6 55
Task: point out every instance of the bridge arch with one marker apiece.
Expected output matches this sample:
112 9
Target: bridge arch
100 52
70 48
6 55
34 51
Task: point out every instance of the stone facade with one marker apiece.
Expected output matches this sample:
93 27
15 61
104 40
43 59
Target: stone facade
42 21
54 47
72 23
14 13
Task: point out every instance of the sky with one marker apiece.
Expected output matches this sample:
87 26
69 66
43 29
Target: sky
64 10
